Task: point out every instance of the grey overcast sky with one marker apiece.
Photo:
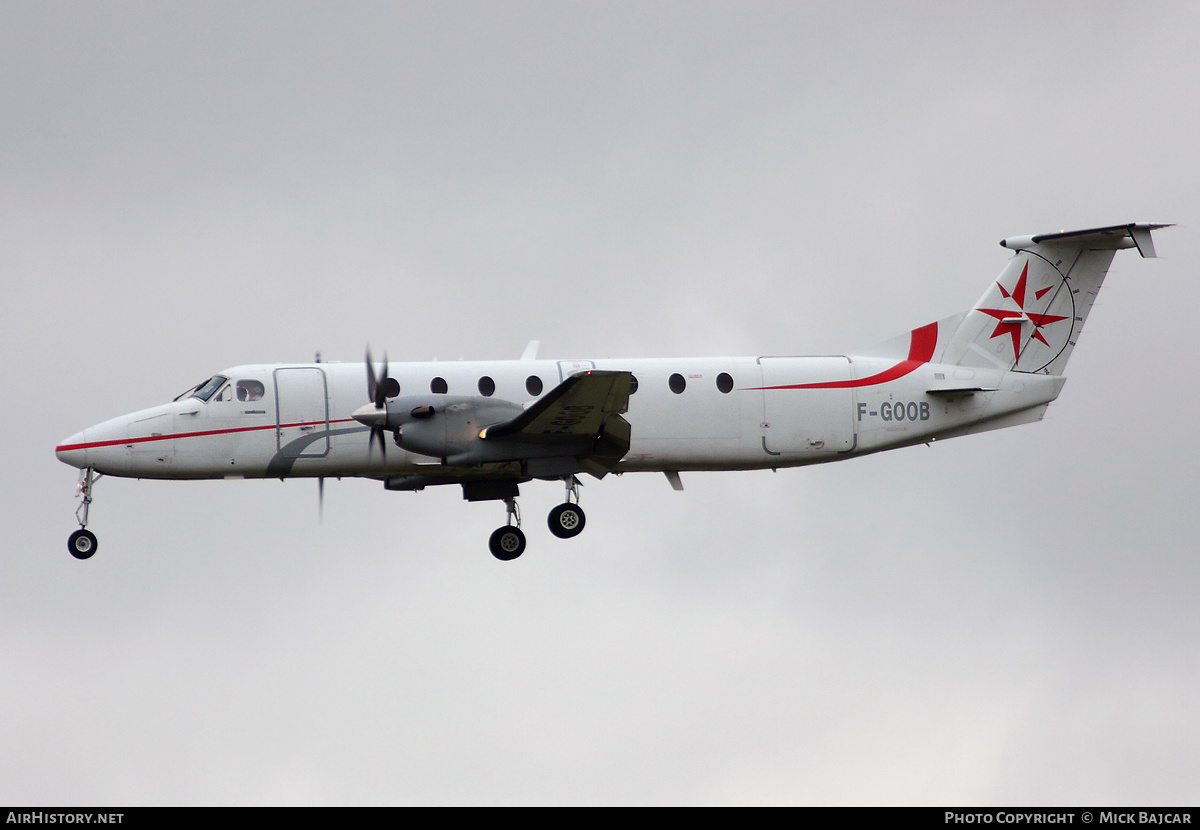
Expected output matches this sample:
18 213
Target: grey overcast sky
1004 619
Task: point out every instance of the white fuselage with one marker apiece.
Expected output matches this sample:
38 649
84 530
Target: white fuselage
491 426
731 413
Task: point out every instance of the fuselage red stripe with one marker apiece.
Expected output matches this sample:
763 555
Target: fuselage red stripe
172 436
920 352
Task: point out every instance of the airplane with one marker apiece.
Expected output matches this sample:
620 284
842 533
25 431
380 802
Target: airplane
491 426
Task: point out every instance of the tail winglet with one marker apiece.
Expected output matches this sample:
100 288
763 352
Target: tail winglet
1113 238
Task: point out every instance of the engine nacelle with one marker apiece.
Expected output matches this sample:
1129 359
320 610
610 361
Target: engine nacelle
445 426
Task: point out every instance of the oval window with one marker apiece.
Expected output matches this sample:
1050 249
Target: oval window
632 384
487 386
533 385
677 383
250 390
438 386
725 382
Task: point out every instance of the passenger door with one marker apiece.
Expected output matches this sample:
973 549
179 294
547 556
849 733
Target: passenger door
302 412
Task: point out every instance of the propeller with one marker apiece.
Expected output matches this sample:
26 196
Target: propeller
374 414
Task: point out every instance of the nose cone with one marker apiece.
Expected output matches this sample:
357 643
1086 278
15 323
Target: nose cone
102 447
74 450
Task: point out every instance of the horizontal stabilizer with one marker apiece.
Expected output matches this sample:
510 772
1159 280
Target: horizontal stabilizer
959 390
1112 237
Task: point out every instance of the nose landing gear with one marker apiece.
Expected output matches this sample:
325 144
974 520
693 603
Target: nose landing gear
82 543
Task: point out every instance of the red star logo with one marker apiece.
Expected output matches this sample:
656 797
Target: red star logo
1011 321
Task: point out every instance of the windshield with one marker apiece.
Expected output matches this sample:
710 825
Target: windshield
205 390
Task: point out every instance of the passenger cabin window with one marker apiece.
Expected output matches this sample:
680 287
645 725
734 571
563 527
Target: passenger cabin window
250 390
533 385
725 382
206 389
438 386
632 384
487 386
677 383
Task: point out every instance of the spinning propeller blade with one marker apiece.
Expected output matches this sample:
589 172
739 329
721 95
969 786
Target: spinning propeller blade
379 389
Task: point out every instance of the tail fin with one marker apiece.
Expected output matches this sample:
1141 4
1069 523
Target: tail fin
1030 318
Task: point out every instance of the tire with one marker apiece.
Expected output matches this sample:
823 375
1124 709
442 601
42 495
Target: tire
566 521
82 544
507 543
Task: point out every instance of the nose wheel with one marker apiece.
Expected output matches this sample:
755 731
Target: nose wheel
82 543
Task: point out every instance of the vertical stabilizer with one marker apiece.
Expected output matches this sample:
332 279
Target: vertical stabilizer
1029 319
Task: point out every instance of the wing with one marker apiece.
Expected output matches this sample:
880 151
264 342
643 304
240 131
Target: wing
580 417
575 409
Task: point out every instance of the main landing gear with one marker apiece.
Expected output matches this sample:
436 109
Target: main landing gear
508 542
82 543
566 521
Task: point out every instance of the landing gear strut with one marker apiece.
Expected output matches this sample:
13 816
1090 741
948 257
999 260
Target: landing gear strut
82 543
566 521
508 542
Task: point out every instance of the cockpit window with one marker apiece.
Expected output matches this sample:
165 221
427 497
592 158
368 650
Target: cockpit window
250 390
209 386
